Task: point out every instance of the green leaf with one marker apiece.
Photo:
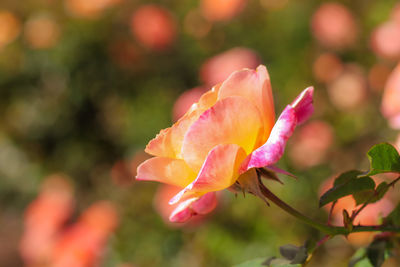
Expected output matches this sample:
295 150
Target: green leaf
346 184
360 262
394 217
371 196
294 254
376 252
383 158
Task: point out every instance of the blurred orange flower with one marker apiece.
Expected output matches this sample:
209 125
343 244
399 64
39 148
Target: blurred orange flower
10 27
47 241
41 32
334 26
154 27
82 243
88 8
220 10
44 218
390 107
327 67
368 216
220 141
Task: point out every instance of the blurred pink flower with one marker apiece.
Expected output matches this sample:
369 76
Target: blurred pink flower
334 26
185 101
348 91
369 216
219 67
221 10
390 107
154 27
311 143
385 40
221 139
47 241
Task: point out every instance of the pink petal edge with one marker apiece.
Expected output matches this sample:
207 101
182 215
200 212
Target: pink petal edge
269 153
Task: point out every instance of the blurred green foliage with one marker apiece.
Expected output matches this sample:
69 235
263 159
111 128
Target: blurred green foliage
71 108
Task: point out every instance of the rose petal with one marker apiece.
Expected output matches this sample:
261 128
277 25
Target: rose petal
193 206
219 171
182 212
255 86
233 120
269 153
166 170
168 142
273 149
205 204
303 105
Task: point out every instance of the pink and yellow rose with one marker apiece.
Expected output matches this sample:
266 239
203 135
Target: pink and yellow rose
222 140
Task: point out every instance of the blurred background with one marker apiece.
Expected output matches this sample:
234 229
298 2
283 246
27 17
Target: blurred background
85 84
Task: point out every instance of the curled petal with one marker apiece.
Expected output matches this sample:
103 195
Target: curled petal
233 120
269 153
272 150
255 86
219 171
182 212
303 105
168 143
193 206
205 204
166 170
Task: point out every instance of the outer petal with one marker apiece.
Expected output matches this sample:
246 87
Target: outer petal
269 153
190 207
168 142
205 204
233 120
166 170
219 171
182 212
303 105
255 86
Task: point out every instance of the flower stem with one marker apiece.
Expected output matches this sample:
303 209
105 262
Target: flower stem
327 229
277 201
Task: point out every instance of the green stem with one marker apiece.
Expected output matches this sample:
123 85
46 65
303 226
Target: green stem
329 230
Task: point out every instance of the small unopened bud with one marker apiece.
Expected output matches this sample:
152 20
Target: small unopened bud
347 221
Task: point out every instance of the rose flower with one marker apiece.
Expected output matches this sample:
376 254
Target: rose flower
223 141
